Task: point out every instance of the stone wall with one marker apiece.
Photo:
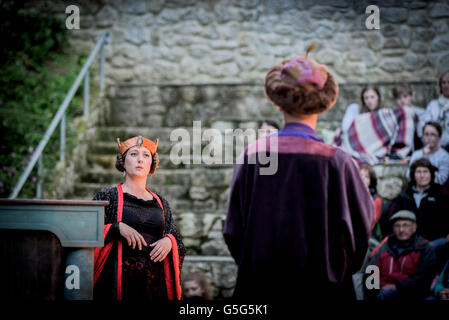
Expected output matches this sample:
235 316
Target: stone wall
236 41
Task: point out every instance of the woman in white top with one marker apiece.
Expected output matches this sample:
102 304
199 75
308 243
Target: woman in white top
438 109
371 101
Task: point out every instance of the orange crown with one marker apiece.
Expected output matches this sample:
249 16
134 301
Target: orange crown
138 141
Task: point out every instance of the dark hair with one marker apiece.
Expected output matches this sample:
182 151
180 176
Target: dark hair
364 107
200 278
372 176
400 89
425 163
434 124
440 81
120 162
269 122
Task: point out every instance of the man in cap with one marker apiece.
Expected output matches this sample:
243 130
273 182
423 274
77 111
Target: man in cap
303 230
405 261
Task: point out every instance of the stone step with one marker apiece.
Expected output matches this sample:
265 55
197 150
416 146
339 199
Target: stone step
181 198
171 106
187 177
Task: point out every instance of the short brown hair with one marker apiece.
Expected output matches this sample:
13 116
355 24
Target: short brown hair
434 124
425 163
400 89
120 162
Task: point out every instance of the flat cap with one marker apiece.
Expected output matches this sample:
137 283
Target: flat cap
403 214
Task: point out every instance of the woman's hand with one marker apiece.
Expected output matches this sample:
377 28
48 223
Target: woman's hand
161 249
131 235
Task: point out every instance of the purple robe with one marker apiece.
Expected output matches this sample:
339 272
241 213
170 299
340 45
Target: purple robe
303 231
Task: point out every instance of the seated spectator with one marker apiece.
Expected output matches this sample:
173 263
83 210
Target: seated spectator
267 127
371 101
423 197
379 134
196 286
432 150
403 95
405 261
438 109
370 179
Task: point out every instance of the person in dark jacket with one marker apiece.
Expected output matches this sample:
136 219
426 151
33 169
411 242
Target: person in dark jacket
405 261
423 197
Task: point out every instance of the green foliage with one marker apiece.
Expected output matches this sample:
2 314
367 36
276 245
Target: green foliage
36 73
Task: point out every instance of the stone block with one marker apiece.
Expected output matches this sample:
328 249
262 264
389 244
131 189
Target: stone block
439 10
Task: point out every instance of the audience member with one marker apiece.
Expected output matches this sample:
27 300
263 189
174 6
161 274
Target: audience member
403 95
371 101
196 286
423 197
432 150
370 179
405 261
438 109
267 127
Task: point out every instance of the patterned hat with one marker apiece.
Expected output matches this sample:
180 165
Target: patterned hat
301 86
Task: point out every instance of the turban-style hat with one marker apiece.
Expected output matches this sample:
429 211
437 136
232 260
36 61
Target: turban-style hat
301 86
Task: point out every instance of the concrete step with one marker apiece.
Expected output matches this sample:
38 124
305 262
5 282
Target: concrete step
107 161
181 198
210 177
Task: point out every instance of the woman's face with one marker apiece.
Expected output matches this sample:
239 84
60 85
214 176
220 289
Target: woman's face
192 289
422 176
138 161
371 99
445 86
365 177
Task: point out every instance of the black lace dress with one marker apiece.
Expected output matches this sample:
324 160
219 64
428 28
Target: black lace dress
142 279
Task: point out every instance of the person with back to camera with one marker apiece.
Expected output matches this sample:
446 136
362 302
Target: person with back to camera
432 150
302 231
143 252
371 102
438 109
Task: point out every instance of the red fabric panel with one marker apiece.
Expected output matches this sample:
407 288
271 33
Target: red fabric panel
119 256
100 255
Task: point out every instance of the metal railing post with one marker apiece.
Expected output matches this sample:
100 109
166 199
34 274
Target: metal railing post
86 94
39 178
102 68
62 139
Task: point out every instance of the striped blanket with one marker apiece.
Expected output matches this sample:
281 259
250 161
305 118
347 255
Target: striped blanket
376 136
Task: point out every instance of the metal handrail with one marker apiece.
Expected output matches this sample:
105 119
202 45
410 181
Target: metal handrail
59 118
